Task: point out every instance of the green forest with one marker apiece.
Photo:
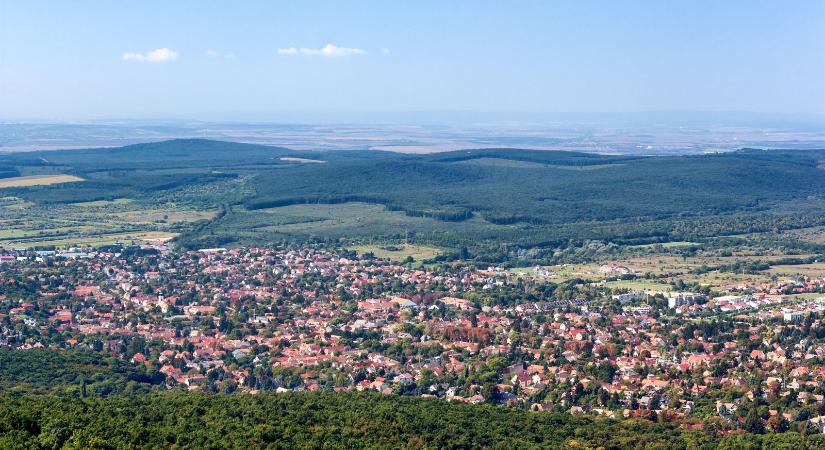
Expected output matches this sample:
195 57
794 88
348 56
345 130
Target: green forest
334 421
494 202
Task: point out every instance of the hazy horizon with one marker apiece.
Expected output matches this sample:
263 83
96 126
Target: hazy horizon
466 119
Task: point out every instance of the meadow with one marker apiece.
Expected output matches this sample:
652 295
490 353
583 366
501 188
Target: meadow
102 222
37 180
399 253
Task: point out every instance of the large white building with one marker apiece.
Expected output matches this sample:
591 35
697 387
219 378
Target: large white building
677 299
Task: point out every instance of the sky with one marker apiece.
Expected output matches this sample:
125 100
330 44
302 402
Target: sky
77 60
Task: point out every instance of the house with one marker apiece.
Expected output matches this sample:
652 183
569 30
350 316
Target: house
725 409
817 423
460 303
404 378
402 302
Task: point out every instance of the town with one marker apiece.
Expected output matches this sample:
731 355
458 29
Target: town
310 318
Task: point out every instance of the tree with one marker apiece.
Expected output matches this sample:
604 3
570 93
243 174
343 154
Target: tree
753 423
778 423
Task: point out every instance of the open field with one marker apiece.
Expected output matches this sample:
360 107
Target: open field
668 244
638 285
20 233
399 252
810 234
100 222
565 272
665 269
807 296
97 240
358 222
38 180
171 215
99 203
301 160
672 269
816 270
501 162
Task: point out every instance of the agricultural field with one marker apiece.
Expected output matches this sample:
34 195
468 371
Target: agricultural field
171 215
301 160
101 222
815 270
668 244
138 237
352 223
500 162
400 252
659 271
38 180
812 234
637 285
99 203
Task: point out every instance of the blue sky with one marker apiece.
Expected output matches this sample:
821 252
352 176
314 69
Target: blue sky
198 59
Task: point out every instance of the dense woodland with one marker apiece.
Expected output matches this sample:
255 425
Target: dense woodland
495 202
329 420
72 373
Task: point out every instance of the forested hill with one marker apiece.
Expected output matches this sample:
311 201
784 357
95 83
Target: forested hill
478 198
328 420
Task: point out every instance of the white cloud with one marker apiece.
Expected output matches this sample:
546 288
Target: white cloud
155 56
328 51
288 51
385 51
216 54
332 51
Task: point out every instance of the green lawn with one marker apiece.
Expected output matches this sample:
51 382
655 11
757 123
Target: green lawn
399 252
638 285
98 203
668 244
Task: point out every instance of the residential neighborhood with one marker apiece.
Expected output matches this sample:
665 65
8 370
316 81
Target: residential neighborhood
248 320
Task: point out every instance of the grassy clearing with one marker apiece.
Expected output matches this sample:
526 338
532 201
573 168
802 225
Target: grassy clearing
501 162
806 296
38 180
354 223
355 220
149 216
810 234
14 203
18 233
638 285
669 268
584 168
816 270
567 272
514 163
102 239
301 160
399 252
91 223
101 203
668 244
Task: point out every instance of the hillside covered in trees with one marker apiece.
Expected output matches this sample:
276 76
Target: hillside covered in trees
328 420
494 201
